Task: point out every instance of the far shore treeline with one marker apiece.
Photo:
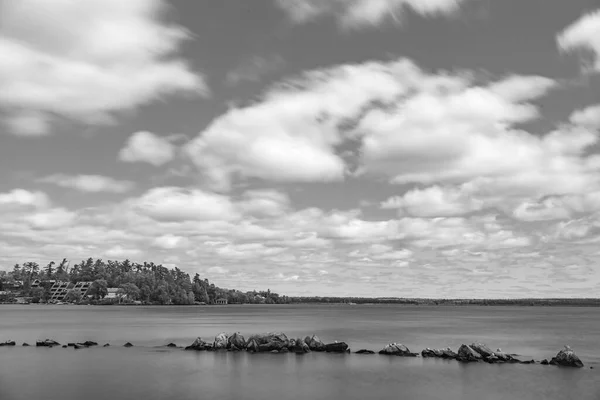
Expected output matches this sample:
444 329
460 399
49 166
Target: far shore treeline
149 283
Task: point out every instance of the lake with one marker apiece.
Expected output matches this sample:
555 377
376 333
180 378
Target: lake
149 371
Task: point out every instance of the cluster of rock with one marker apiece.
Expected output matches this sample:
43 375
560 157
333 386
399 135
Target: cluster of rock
279 343
268 342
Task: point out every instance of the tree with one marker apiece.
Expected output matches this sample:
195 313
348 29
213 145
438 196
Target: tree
31 268
73 296
49 270
99 289
129 290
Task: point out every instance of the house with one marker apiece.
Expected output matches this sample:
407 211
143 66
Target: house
221 302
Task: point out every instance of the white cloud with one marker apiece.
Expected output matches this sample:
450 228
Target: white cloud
358 13
177 204
170 242
23 198
588 117
90 183
51 219
217 270
86 60
121 253
265 202
147 147
434 201
583 34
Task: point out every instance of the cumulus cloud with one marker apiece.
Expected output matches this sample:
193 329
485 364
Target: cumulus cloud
90 183
23 198
588 117
149 148
86 61
583 34
359 13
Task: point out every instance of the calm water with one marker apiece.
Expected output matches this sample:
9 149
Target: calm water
150 372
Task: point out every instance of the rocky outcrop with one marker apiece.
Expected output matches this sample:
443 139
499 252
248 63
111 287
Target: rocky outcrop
8 343
566 358
236 342
127 345
267 342
482 349
314 343
198 345
336 347
446 353
397 349
299 346
221 341
364 351
47 343
468 354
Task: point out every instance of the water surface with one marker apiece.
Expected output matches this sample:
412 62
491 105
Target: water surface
150 372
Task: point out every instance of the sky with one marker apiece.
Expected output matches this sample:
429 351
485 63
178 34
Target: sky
406 148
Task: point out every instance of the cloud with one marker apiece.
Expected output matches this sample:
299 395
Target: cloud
360 13
86 61
588 117
121 253
149 148
434 201
266 202
90 183
178 204
51 219
253 69
583 34
170 242
23 198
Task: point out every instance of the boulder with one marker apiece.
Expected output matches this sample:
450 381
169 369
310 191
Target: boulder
88 343
482 349
365 351
268 342
198 345
220 342
172 345
64 346
397 349
314 343
544 362
446 353
336 347
8 343
252 346
25 344
47 343
567 358
468 354
127 345
237 340
106 345
298 346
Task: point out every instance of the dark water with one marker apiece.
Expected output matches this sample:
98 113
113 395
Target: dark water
149 372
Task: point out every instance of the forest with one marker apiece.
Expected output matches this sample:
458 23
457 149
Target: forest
146 282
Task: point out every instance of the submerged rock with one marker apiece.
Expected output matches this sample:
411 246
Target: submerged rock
397 349
198 345
220 342
567 358
365 351
314 343
336 347
127 345
47 343
468 354
236 341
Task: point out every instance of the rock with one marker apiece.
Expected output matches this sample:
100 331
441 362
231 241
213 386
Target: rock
364 351
25 344
237 340
8 343
567 358
127 345
268 342
220 342
64 346
446 353
198 345
336 347
502 356
492 359
467 354
545 362
482 349
314 343
298 346
252 346
172 345
71 344
284 350
77 347
397 349
88 343
526 362
106 345
275 351
46 343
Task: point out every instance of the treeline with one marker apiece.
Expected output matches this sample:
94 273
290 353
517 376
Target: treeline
146 282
